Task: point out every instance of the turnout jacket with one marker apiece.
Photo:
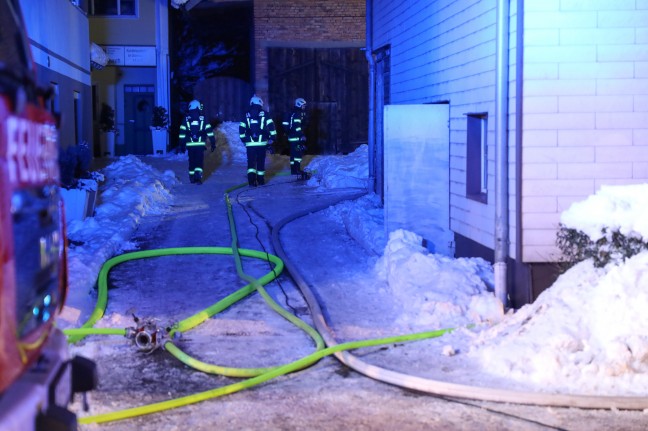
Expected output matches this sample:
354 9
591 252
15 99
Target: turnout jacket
293 125
257 128
195 131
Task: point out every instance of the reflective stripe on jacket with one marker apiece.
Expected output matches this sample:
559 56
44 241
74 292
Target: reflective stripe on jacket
195 132
256 131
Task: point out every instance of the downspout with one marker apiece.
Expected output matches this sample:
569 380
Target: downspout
371 133
501 153
523 277
162 95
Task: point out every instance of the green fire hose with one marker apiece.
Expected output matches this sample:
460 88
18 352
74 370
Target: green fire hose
254 376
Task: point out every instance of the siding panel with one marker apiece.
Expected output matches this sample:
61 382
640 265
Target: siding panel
595 137
445 51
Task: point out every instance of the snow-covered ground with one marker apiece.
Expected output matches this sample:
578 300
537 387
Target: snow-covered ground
586 334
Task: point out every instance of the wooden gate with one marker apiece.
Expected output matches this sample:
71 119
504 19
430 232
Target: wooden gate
334 82
225 98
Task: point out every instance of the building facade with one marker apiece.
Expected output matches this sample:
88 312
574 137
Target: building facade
134 35
62 56
544 101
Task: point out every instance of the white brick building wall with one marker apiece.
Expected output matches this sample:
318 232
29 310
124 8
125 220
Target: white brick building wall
444 51
585 106
585 111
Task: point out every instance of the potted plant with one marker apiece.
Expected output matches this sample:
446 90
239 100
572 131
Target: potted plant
110 132
78 184
159 125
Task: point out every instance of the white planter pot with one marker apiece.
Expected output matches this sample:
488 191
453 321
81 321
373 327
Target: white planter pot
160 139
79 203
107 144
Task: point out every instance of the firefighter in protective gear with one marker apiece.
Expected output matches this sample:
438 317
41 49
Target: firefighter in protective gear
256 131
193 137
294 127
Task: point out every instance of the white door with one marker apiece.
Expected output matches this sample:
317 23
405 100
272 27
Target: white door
417 173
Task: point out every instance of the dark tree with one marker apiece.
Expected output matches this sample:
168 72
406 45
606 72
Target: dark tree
207 41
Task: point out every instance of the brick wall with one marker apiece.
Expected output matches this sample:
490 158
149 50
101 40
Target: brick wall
304 23
585 108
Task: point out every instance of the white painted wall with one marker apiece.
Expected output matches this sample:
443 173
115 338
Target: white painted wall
58 33
417 175
585 108
61 35
445 51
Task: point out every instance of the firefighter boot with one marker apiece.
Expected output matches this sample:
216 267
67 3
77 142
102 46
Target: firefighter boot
260 180
192 178
198 178
252 179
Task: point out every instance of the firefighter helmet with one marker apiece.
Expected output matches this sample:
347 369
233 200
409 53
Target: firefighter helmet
195 104
300 102
256 100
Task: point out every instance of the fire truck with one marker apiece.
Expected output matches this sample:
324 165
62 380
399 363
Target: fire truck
38 376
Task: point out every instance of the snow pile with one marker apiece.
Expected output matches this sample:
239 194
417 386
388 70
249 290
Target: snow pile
130 191
363 219
230 131
434 291
587 333
351 170
617 208
178 3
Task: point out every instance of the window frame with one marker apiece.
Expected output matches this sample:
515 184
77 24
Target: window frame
119 13
477 157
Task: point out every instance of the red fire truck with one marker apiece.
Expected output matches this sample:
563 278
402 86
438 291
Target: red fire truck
37 375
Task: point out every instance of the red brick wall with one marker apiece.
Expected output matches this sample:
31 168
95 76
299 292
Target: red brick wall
304 23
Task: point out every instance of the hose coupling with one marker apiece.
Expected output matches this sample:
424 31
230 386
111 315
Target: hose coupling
146 335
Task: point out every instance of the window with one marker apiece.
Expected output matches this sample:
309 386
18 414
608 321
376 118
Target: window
77 117
113 7
54 102
477 158
139 89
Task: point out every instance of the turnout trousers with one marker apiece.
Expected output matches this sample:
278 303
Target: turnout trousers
196 162
256 164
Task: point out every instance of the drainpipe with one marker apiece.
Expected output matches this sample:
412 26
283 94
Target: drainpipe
521 272
371 132
162 96
501 152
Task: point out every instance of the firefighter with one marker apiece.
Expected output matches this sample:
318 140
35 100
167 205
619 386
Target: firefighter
256 131
294 127
194 133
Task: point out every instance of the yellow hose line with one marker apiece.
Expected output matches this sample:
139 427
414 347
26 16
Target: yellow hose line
198 318
236 387
319 341
94 331
212 368
102 283
257 375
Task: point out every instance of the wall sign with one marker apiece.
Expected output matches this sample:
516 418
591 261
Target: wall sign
125 55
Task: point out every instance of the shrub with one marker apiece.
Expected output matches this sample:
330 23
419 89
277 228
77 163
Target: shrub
160 118
107 118
74 164
613 246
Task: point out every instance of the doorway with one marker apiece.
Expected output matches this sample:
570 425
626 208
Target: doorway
138 114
